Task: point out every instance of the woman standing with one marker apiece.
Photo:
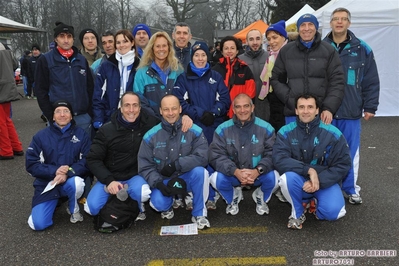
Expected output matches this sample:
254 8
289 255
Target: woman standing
277 37
114 78
202 93
236 73
158 71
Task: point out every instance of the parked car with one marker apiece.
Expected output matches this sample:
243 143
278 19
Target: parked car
18 78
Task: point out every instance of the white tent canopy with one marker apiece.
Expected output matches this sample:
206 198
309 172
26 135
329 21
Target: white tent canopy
11 26
305 9
377 23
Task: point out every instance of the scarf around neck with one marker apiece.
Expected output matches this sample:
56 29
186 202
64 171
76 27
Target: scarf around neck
125 65
65 53
199 71
267 73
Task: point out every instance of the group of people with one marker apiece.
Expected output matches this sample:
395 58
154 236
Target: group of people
153 113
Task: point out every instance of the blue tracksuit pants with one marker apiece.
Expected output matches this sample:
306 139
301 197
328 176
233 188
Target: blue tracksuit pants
138 189
351 130
42 214
225 184
197 181
330 201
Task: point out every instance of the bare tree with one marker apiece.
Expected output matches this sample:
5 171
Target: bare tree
183 9
236 14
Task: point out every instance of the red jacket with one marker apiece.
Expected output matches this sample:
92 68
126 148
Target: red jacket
237 77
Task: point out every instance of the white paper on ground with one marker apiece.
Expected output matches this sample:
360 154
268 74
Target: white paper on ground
49 186
184 229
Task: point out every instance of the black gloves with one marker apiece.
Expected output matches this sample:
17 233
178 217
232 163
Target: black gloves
165 190
207 118
168 169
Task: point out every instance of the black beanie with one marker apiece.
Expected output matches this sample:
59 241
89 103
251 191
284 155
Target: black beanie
62 103
61 27
83 32
35 46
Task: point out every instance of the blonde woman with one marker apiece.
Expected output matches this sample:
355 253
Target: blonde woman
157 72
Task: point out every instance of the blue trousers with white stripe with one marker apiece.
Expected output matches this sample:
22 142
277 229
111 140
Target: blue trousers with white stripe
225 184
330 201
138 189
351 131
42 214
197 181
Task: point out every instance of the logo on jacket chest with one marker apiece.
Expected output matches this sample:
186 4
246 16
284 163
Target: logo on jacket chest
75 139
160 144
82 72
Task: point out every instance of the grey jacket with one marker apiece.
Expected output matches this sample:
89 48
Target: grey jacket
8 88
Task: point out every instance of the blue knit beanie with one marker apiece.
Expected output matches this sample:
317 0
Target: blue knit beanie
278 27
198 45
141 27
307 18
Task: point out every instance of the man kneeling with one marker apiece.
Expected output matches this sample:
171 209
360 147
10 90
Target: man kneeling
313 158
57 157
167 153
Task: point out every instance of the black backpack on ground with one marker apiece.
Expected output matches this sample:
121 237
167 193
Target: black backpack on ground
116 215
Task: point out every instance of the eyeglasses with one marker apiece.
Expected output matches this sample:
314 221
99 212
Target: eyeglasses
341 19
58 112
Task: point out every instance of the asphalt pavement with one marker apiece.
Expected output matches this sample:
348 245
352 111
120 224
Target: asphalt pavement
367 235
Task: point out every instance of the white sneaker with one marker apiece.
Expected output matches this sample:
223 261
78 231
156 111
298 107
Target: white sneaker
210 205
233 207
201 222
177 203
76 217
189 201
280 196
168 214
261 206
141 217
355 199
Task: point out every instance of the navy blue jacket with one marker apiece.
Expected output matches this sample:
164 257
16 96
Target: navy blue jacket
166 143
316 145
50 148
362 87
183 54
57 78
238 146
106 100
200 94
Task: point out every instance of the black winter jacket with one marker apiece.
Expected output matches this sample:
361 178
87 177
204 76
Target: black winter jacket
317 70
113 153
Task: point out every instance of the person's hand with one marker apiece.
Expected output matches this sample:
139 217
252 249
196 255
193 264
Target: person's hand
60 179
62 170
326 116
207 118
241 176
114 187
186 122
251 175
168 169
368 116
313 182
164 189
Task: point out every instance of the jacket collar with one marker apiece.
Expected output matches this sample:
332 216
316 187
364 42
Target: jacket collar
246 123
171 129
308 127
